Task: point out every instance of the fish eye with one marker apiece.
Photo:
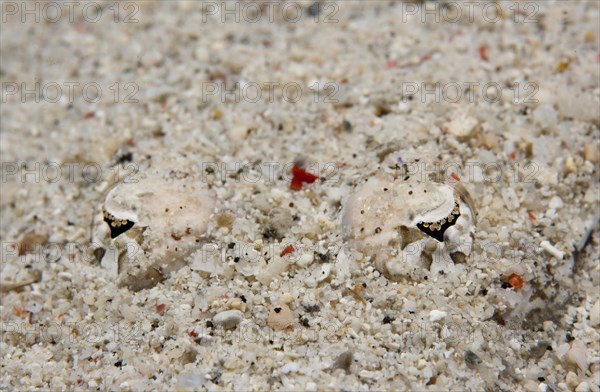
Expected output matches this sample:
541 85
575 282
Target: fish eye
436 229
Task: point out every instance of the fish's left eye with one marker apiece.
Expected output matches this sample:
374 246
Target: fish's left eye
436 229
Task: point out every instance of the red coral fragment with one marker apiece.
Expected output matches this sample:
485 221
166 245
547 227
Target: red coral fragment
19 311
515 281
160 309
391 64
483 53
301 176
287 250
531 216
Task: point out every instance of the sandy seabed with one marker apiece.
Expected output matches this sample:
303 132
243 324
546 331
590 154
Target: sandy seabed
175 177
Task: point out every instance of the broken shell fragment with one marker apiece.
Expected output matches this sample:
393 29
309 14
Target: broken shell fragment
149 227
281 317
393 222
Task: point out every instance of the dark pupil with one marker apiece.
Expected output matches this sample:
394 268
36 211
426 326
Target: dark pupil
436 229
117 226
